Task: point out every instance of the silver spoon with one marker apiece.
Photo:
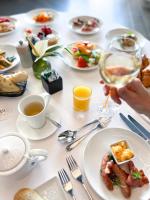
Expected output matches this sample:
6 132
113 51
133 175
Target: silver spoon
102 124
69 136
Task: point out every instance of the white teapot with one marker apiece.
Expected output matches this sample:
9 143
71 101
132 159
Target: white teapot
16 155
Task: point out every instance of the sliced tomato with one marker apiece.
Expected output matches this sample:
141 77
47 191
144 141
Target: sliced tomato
81 62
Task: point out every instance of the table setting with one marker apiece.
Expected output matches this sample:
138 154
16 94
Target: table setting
61 137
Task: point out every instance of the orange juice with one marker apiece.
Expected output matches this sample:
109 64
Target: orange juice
81 98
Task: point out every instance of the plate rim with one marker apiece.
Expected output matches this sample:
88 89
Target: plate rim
14 20
17 61
132 30
32 22
84 168
85 33
78 68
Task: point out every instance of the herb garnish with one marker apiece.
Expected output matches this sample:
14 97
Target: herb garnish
136 175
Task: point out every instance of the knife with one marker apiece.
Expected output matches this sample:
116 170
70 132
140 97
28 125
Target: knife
132 126
139 126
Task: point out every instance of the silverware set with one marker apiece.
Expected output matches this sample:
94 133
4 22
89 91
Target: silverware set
136 127
77 175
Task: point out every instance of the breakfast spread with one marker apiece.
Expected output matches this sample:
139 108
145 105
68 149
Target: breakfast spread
13 84
43 17
114 175
45 33
6 24
86 54
85 24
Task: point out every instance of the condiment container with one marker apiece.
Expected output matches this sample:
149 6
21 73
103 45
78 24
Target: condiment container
121 150
51 81
24 54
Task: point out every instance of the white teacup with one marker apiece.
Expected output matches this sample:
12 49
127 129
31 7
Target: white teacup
37 120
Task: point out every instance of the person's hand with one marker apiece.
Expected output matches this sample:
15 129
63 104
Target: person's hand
134 94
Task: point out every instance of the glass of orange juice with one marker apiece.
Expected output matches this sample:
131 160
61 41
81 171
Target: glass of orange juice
81 98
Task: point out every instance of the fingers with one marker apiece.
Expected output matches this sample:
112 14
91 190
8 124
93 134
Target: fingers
135 85
114 95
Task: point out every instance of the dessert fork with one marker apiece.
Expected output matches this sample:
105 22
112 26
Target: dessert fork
76 173
66 183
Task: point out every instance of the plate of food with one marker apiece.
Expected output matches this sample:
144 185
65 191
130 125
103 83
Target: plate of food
41 16
9 57
126 33
43 33
81 55
7 25
127 178
85 25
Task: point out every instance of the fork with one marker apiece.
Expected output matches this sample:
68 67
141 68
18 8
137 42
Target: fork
76 173
66 183
102 124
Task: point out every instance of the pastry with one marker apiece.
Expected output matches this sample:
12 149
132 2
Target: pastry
27 194
13 83
146 76
4 62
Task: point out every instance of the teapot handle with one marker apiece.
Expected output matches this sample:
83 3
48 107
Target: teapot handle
37 155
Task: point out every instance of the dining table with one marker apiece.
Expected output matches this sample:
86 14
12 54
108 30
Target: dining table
62 103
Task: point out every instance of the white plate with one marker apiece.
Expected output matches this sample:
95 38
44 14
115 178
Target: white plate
120 31
38 134
85 18
33 13
51 190
71 62
98 145
14 22
10 51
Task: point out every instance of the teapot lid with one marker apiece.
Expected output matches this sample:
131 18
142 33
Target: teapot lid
12 151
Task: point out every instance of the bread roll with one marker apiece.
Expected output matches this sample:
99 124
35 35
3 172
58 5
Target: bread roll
146 76
27 194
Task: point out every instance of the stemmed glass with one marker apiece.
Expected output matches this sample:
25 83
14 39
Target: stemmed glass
119 65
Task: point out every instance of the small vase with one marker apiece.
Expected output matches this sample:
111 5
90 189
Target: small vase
39 66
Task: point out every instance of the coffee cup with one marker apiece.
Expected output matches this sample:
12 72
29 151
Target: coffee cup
33 109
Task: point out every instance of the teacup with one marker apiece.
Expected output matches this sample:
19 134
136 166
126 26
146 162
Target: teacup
33 109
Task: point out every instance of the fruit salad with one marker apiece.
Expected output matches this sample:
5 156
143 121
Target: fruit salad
85 53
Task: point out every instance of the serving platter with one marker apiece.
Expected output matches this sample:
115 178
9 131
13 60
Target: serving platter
32 13
85 19
98 145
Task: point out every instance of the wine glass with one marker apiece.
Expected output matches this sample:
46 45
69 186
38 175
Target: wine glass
119 65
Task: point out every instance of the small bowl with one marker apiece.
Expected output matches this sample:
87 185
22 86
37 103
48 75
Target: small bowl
127 147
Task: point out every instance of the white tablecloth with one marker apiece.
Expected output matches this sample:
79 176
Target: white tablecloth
63 102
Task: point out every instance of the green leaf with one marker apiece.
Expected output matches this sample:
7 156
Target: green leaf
85 57
69 51
53 48
136 175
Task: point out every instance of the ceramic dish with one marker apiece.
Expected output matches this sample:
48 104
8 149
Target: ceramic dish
33 13
12 21
10 51
121 31
35 134
72 63
87 25
98 145
51 190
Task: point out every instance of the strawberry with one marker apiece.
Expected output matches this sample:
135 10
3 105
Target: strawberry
81 62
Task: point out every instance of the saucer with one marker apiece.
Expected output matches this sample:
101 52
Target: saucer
38 134
51 190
